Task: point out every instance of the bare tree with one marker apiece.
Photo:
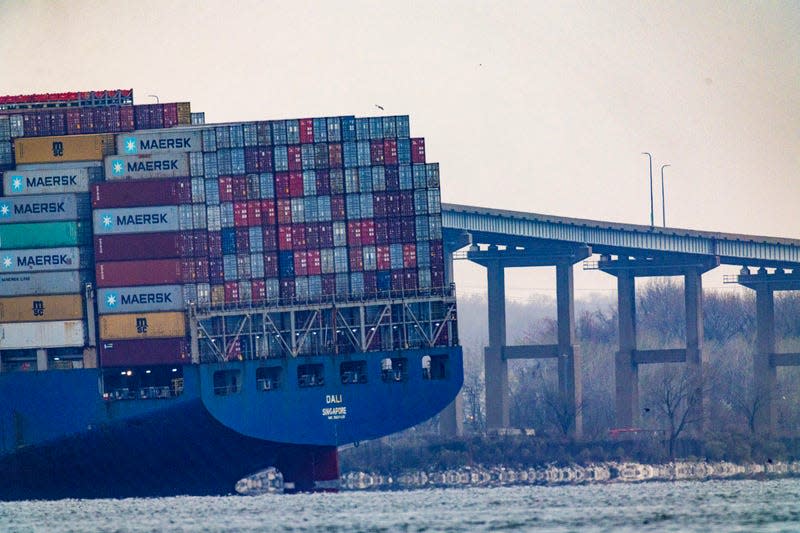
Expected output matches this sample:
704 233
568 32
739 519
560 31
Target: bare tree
474 409
560 411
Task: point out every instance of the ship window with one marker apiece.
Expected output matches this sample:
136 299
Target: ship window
227 382
268 378
311 375
352 372
434 367
394 369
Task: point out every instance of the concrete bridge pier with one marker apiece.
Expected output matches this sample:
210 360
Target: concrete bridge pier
766 360
565 351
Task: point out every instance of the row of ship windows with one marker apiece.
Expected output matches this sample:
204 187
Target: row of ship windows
393 370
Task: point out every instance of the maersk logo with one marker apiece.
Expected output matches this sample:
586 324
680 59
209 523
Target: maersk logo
111 300
5 210
36 208
17 183
130 145
151 166
146 298
108 221
43 260
117 167
8 261
144 219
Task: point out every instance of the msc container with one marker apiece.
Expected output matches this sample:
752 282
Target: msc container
48 181
41 308
142 325
139 273
66 148
140 299
142 352
46 259
45 207
141 193
157 142
44 235
166 165
144 246
24 283
136 220
21 335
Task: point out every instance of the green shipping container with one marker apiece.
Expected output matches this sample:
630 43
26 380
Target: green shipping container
44 235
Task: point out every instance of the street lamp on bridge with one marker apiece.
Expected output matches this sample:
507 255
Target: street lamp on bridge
650 157
663 198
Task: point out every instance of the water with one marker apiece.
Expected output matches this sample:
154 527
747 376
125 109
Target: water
674 506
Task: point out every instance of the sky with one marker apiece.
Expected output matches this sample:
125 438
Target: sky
542 106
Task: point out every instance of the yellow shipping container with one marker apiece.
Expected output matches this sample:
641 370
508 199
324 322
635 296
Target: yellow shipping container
142 326
41 308
217 294
65 148
184 113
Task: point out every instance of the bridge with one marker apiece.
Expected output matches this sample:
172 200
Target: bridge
498 239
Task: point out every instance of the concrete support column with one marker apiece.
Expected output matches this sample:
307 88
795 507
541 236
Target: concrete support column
626 372
41 359
495 367
695 357
765 374
569 359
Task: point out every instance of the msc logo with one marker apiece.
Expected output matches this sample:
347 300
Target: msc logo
117 167
5 210
58 149
131 146
17 183
141 325
38 308
111 300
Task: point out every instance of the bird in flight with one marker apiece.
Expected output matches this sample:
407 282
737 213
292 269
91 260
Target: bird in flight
379 107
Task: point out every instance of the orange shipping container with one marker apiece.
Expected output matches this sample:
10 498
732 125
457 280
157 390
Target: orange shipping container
142 326
41 308
65 148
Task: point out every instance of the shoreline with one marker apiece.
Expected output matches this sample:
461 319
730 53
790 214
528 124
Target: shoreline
552 475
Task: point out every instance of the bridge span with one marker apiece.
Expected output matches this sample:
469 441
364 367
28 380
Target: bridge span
499 239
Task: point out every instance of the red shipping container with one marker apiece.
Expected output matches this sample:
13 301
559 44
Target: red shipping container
170 115
328 284
306 130
282 185
287 289
268 212
314 262
201 272
367 231
138 193
295 158
141 246
231 292
259 290
240 218
126 120
200 243
242 240
270 238
254 213
312 235
390 151
137 273
381 231
284 208
215 244
376 152
225 189
397 279
299 236
239 188
338 207
295 184
356 258
407 204
383 257
216 271
418 150
335 155
354 233
285 237
300 263
325 235
323 183
142 352
409 256
270 265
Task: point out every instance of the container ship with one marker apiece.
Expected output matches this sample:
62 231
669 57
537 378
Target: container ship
185 304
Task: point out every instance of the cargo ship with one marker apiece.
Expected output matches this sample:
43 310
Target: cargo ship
185 304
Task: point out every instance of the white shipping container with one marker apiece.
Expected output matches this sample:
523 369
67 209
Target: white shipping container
20 335
159 142
162 165
138 219
46 181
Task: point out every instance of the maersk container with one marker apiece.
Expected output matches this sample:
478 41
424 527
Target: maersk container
140 299
25 283
38 308
139 273
145 246
166 165
44 235
48 181
156 142
142 325
44 207
46 259
63 148
137 220
143 352
141 193
57 334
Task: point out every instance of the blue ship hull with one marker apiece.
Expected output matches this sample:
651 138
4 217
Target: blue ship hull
60 437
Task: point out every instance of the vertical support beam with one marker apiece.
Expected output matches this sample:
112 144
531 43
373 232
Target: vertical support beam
495 367
569 360
764 374
41 359
626 372
695 357
451 419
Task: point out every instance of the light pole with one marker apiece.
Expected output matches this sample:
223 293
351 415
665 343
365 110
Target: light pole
663 198
650 157
154 96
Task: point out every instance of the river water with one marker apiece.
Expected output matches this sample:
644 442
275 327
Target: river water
742 505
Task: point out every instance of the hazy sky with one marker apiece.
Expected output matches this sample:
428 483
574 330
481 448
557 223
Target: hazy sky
532 106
